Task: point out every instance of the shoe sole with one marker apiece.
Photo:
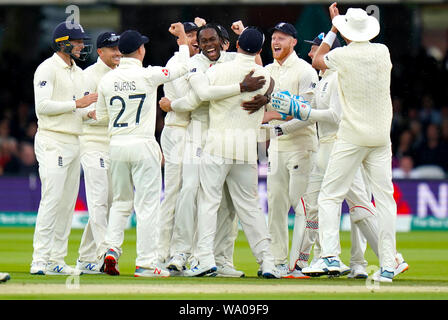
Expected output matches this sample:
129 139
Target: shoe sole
150 276
402 271
109 266
209 273
219 275
293 277
38 273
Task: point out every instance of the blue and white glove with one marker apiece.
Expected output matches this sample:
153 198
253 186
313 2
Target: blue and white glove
295 106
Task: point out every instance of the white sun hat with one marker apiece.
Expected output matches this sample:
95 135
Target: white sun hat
357 25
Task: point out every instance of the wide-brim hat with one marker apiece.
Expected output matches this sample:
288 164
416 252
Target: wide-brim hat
357 25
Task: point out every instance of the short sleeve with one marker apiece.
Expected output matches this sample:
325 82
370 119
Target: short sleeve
333 58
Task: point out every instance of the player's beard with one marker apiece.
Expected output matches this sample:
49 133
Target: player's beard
282 54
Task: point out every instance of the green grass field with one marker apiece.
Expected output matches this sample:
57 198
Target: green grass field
427 278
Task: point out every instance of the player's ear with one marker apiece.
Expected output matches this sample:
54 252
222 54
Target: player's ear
294 41
99 51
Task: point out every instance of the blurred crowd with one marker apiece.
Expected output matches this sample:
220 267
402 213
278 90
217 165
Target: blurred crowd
419 129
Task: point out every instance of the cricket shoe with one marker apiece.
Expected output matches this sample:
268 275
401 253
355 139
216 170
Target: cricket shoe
358 272
177 263
229 272
283 269
345 270
324 266
401 265
151 272
4 277
296 274
38 268
272 273
200 271
88 267
61 269
383 275
111 263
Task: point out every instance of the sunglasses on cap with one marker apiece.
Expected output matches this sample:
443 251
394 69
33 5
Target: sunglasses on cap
111 40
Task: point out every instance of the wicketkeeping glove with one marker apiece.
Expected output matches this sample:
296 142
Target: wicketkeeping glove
295 106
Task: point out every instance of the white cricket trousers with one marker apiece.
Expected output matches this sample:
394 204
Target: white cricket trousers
135 162
59 172
344 163
184 237
173 144
95 165
242 181
287 179
359 204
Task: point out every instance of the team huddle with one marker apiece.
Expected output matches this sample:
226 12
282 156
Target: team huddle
327 124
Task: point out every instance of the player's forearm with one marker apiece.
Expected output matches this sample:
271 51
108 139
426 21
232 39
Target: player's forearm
187 103
51 108
294 125
206 92
327 115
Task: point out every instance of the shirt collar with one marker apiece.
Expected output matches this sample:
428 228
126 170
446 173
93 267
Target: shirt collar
245 57
104 67
289 60
127 62
62 63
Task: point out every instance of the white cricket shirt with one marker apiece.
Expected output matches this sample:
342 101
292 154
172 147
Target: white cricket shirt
233 131
364 90
56 87
127 96
94 134
174 90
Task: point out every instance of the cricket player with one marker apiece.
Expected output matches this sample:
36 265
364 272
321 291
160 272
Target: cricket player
127 101
230 155
210 42
327 113
363 137
58 97
290 157
173 143
95 159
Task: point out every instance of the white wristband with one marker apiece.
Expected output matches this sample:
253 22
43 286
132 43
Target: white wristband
329 38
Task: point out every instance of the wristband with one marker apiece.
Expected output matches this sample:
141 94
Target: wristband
329 38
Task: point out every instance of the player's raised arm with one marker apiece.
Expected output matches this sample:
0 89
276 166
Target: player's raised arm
324 48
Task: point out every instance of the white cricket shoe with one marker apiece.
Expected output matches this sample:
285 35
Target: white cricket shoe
358 272
271 273
324 266
151 272
345 270
200 271
88 267
38 268
4 277
61 269
283 269
177 263
229 272
383 275
401 265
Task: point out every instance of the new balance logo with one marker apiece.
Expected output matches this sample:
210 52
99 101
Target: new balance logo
157 271
90 266
58 268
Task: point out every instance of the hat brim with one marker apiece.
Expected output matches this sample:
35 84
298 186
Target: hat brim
371 30
272 30
145 39
312 42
